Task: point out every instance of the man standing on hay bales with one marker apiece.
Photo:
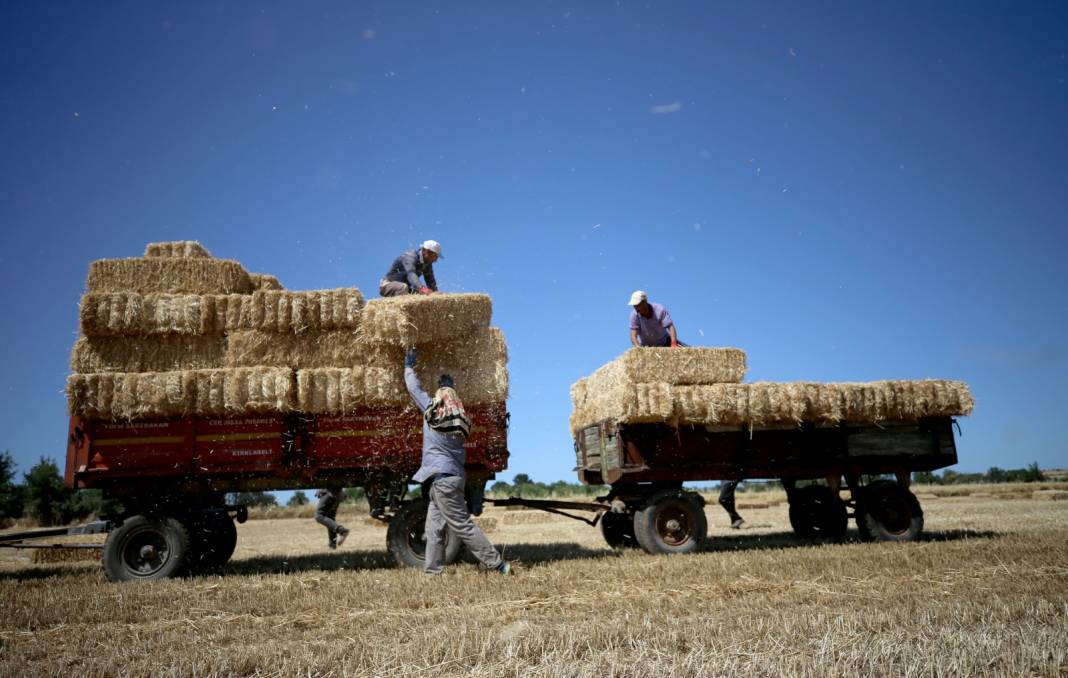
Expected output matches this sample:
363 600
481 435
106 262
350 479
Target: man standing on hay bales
445 428
651 324
403 276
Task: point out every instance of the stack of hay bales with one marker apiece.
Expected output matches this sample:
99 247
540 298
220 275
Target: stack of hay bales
702 386
179 332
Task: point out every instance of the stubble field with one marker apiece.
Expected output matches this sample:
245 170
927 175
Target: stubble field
984 592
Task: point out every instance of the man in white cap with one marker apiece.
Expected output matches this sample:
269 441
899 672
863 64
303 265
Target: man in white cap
403 276
650 324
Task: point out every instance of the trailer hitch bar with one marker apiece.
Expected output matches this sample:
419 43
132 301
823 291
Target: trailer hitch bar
553 506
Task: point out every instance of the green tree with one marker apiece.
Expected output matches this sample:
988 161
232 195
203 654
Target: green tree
254 498
298 499
12 496
46 496
1033 474
522 479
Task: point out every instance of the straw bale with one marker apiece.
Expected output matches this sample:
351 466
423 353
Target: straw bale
262 281
606 396
119 395
305 311
163 353
336 390
411 320
65 555
135 314
684 365
244 390
170 275
337 348
180 249
477 363
129 395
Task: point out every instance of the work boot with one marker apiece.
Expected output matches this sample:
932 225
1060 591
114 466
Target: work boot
332 545
342 533
504 568
737 523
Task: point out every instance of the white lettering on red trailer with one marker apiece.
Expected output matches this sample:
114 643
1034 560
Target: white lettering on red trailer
251 453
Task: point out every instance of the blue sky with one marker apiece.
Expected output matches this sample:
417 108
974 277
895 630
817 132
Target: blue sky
848 192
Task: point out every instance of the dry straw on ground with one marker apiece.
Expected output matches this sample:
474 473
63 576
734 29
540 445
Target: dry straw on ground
167 274
179 249
771 403
218 392
982 594
65 555
416 319
162 353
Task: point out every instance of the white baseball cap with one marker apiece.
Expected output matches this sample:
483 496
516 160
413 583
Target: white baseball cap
433 246
637 298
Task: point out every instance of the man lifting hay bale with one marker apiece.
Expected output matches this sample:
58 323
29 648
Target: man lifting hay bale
403 276
445 428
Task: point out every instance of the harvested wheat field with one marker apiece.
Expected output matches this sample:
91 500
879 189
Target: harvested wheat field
984 592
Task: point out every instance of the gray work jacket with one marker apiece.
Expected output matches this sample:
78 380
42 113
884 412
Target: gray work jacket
408 267
442 452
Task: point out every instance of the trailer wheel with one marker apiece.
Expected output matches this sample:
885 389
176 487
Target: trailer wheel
213 540
145 548
817 511
618 530
672 521
887 511
406 538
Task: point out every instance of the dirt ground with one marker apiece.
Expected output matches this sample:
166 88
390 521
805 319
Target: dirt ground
985 591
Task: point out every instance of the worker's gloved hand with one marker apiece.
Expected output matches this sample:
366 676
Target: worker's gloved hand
425 290
409 358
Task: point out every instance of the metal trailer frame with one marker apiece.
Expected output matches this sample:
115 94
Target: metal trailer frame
646 465
167 479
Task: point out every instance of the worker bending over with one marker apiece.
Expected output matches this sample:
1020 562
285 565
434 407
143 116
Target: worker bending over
445 428
403 276
650 324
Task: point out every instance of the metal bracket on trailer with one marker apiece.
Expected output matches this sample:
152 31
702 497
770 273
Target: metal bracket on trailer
553 506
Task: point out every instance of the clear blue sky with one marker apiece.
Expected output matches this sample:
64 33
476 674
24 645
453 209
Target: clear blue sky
851 192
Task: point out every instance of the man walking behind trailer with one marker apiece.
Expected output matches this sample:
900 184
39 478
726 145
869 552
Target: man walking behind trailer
726 500
403 276
326 511
445 428
651 324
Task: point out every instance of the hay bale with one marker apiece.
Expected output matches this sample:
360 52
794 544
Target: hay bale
416 319
110 315
244 390
65 555
163 353
262 281
1050 495
608 395
684 365
249 348
169 275
119 395
307 311
338 390
125 395
179 249
477 361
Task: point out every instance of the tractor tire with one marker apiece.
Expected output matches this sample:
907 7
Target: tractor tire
817 511
618 530
213 540
886 511
672 521
146 548
406 536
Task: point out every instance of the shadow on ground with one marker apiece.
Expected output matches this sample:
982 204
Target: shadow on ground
785 540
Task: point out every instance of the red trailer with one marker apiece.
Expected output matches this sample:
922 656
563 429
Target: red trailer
168 478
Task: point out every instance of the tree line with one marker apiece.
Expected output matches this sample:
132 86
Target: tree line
42 495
